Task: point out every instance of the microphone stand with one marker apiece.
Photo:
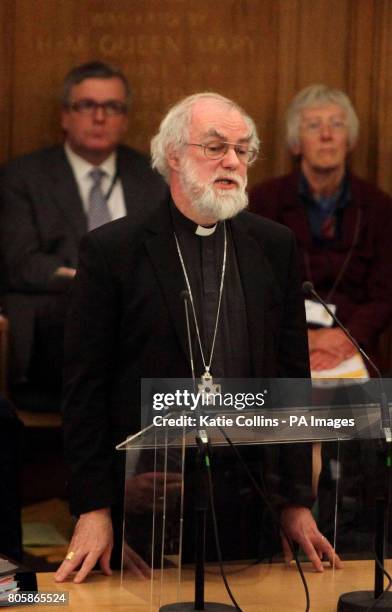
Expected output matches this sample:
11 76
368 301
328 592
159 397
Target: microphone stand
201 510
355 601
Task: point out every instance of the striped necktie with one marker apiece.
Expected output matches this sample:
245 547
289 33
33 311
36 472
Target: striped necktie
98 212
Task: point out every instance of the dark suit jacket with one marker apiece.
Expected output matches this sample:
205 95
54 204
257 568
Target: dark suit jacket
42 221
127 322
364 295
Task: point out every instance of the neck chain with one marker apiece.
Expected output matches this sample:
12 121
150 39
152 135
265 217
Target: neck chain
206 377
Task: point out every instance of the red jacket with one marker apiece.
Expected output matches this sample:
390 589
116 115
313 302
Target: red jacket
364 294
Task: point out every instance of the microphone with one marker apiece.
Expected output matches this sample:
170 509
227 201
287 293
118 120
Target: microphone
308 288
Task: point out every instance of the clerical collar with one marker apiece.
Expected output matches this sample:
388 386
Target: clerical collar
205 231
187 224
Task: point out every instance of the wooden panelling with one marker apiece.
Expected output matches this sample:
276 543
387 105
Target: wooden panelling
7 22
259 52
360 60
321 42
286 82
383 96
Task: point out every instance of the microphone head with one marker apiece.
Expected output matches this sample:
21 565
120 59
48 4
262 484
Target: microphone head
184 295
307 287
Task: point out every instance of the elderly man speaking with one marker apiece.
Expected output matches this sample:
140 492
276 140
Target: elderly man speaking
127 317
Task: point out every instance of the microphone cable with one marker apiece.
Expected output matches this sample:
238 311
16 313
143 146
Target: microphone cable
263 494
216 532
388 588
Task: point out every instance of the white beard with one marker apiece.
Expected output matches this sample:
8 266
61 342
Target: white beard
209 201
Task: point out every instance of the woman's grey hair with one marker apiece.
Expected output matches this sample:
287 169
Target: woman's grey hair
173 132
317 95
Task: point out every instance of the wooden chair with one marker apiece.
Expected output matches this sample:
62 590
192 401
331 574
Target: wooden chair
30 419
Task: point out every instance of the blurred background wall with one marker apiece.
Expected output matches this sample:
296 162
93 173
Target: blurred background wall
259 52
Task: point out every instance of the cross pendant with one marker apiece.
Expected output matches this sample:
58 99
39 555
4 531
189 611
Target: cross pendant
208 388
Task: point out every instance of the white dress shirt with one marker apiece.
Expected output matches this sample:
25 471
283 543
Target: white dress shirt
81 169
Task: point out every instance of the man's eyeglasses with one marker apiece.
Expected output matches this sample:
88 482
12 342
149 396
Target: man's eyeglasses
90 107
218 149
314 126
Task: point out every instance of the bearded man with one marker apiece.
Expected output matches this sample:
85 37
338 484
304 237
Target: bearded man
127 317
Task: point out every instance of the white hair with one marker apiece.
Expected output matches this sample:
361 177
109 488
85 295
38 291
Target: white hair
174 129
318 95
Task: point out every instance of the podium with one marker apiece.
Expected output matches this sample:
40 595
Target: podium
279 440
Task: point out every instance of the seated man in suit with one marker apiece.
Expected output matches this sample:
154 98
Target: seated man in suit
50 198
342 225
127 316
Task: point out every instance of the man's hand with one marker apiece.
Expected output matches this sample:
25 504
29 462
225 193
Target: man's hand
92 540
65 272
300 526
328 348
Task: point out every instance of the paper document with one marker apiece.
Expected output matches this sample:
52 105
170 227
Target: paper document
354 367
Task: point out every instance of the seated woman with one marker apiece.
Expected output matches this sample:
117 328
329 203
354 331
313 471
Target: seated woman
342 225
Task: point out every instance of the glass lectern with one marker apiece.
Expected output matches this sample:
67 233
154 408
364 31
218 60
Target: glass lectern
316 444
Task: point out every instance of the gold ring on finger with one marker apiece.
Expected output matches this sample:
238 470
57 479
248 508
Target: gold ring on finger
70 555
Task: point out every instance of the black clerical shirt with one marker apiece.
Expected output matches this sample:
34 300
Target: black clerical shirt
203 258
